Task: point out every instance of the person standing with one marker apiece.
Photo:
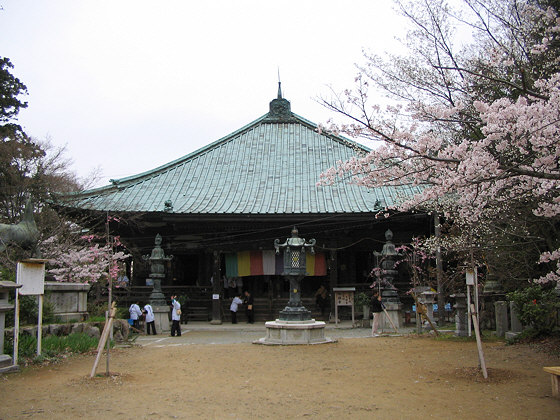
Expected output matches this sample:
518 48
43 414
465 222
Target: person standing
376 308
239 284
226 286
249 307
135 314
234 307
150 319
175 317
321 298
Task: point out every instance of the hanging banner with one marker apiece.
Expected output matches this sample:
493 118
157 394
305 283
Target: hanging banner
267 263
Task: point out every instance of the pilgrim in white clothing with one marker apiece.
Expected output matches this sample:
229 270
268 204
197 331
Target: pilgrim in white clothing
175 317
234 307
135 314
150 319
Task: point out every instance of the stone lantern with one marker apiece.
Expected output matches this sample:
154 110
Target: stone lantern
294 249
294 325
157 260
387 263
6 363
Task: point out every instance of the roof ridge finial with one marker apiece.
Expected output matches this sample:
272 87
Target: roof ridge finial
279 85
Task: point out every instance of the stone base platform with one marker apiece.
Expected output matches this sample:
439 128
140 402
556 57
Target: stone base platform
161 319
287 333
6 364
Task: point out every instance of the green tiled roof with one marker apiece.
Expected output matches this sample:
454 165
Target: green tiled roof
270 166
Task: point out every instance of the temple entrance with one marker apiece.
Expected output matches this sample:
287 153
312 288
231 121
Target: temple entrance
185 270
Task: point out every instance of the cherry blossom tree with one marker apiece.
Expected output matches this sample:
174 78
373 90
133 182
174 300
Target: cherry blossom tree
475 123
86 261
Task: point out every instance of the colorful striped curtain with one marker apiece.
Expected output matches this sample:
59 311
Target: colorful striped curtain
260 263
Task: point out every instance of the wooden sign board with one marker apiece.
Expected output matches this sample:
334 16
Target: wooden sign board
344 298
31 275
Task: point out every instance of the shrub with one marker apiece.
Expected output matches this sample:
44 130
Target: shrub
29 311
360 300
73 343
52 345
536 307
27 347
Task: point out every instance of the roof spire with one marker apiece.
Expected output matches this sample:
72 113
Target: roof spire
279 85
279 107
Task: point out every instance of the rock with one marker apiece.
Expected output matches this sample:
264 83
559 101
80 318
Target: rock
65 329
121 325
31 331
77 328
55 329
92 331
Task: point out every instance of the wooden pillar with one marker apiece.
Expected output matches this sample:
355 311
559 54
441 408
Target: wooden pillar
271 291
439 273
216 289
333 276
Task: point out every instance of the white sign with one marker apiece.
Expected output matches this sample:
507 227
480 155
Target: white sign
215 297
470 276
31 276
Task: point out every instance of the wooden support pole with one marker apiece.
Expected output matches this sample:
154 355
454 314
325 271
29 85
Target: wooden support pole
103 338
390 320
421 311
478 342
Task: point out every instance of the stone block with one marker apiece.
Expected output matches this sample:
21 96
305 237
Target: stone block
516 325
69 300
510 335
501 318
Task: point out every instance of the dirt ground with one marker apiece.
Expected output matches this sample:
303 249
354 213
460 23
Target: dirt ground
356 378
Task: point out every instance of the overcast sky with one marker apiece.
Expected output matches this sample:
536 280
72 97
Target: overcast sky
131 85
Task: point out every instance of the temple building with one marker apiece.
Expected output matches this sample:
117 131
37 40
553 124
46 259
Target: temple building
220 208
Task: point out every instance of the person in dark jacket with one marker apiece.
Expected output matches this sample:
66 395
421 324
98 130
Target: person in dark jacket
249 307
376 308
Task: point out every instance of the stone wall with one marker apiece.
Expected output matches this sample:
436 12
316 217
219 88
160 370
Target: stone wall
121 329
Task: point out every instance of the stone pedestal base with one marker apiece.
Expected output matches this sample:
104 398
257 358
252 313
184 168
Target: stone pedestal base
298 314
6 364
69 300
394 310
161 319
294 332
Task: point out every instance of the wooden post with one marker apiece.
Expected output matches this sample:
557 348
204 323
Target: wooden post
554 378
16 329
478 342
40 325
103 338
